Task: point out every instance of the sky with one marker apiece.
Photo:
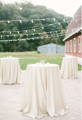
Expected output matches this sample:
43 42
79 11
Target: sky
66 7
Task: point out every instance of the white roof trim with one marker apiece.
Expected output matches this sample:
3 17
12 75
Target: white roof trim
68 36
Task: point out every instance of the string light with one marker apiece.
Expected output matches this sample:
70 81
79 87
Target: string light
20 21
26 31
32 21
54 19
32 38
7 35
18 32
10 32
42 28
1 36
64 20
59 23
43 19
33 34
8 21
34 30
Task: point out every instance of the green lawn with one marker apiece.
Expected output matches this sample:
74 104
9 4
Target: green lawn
51 59
79 67
34 57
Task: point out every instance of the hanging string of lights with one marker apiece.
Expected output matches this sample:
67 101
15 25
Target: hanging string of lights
34 38
25 32
27 20
54 32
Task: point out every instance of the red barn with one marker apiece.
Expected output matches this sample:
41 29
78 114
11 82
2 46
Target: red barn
73 38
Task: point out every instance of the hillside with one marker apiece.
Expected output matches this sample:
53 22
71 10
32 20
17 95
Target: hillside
26 26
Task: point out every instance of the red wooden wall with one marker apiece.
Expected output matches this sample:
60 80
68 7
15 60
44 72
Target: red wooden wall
74 46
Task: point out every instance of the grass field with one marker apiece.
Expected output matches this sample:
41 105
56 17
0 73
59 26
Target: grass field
51 59
34 57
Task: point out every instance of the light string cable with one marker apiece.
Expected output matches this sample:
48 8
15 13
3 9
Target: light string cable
34 38
39 33
47 34
29 20
29 28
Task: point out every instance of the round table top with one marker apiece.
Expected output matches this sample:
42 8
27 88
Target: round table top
8 58
70 57
43 65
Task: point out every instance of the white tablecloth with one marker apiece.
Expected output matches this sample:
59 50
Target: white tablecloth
43 91
10 72
69 67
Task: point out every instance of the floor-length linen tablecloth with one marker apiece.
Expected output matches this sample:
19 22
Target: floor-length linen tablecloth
69 67
43 91
10 72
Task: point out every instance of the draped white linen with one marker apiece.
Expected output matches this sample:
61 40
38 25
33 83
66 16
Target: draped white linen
43 91
10 72
69 67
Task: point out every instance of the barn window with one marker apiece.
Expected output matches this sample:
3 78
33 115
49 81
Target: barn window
79 44
75 43
70 45
67 46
